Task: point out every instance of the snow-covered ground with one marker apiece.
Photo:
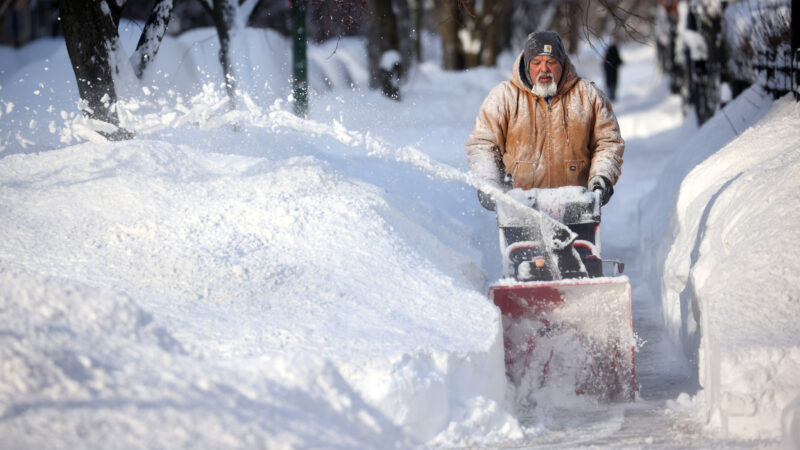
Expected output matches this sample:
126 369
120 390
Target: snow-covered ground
248 279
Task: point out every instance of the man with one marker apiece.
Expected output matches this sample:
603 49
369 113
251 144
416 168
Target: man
611 65
546 127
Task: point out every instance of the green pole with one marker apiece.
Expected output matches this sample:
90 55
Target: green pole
299 60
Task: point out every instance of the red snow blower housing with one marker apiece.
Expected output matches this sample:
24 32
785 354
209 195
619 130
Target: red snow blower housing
563 320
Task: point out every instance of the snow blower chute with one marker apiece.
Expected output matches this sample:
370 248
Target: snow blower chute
563 320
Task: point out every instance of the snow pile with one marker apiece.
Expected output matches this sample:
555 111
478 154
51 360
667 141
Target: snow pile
288 266
240 257
86 367
694 146
730 287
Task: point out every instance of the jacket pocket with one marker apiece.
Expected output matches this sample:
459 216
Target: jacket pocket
576 172
524 173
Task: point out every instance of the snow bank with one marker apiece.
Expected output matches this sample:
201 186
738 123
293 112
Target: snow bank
239 258
85 367
332 261
658 228
730 287
694 147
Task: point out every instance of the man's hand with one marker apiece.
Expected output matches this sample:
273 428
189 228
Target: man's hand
603 184
486 200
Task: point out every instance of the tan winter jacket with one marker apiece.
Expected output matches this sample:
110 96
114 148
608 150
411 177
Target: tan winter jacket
564 143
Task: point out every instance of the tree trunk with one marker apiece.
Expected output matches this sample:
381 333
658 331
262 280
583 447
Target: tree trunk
572 21
230 19
491 21
417 29
794 25
91 38
153 33
299 60
470 31
452 57
386 66
223 12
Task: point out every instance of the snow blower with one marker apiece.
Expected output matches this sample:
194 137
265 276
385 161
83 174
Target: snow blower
563 320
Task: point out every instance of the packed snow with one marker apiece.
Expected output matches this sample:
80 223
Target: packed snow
729 286
246 278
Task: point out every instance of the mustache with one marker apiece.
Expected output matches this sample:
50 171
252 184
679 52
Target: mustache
545 74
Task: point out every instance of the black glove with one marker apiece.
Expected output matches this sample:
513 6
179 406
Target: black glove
486 200
603 184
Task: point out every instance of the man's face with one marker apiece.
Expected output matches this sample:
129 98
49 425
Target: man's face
545 70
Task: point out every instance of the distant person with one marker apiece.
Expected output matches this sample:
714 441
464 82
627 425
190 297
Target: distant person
611 68
546 127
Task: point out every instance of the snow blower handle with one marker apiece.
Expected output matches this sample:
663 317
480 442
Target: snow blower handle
604 185
598 201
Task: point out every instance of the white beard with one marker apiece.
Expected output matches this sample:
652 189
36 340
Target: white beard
544 90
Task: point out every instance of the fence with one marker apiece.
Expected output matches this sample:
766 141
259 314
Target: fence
759 36
795 49
777 71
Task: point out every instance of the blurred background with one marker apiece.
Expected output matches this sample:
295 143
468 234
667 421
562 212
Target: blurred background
711 50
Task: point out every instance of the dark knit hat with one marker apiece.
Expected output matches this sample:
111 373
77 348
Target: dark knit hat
544 43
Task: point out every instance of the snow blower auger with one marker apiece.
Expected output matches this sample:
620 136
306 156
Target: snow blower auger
563 321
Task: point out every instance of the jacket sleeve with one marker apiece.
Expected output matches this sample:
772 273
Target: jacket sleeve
607 144
486 143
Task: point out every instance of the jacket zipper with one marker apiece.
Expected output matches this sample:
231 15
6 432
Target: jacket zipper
548 136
